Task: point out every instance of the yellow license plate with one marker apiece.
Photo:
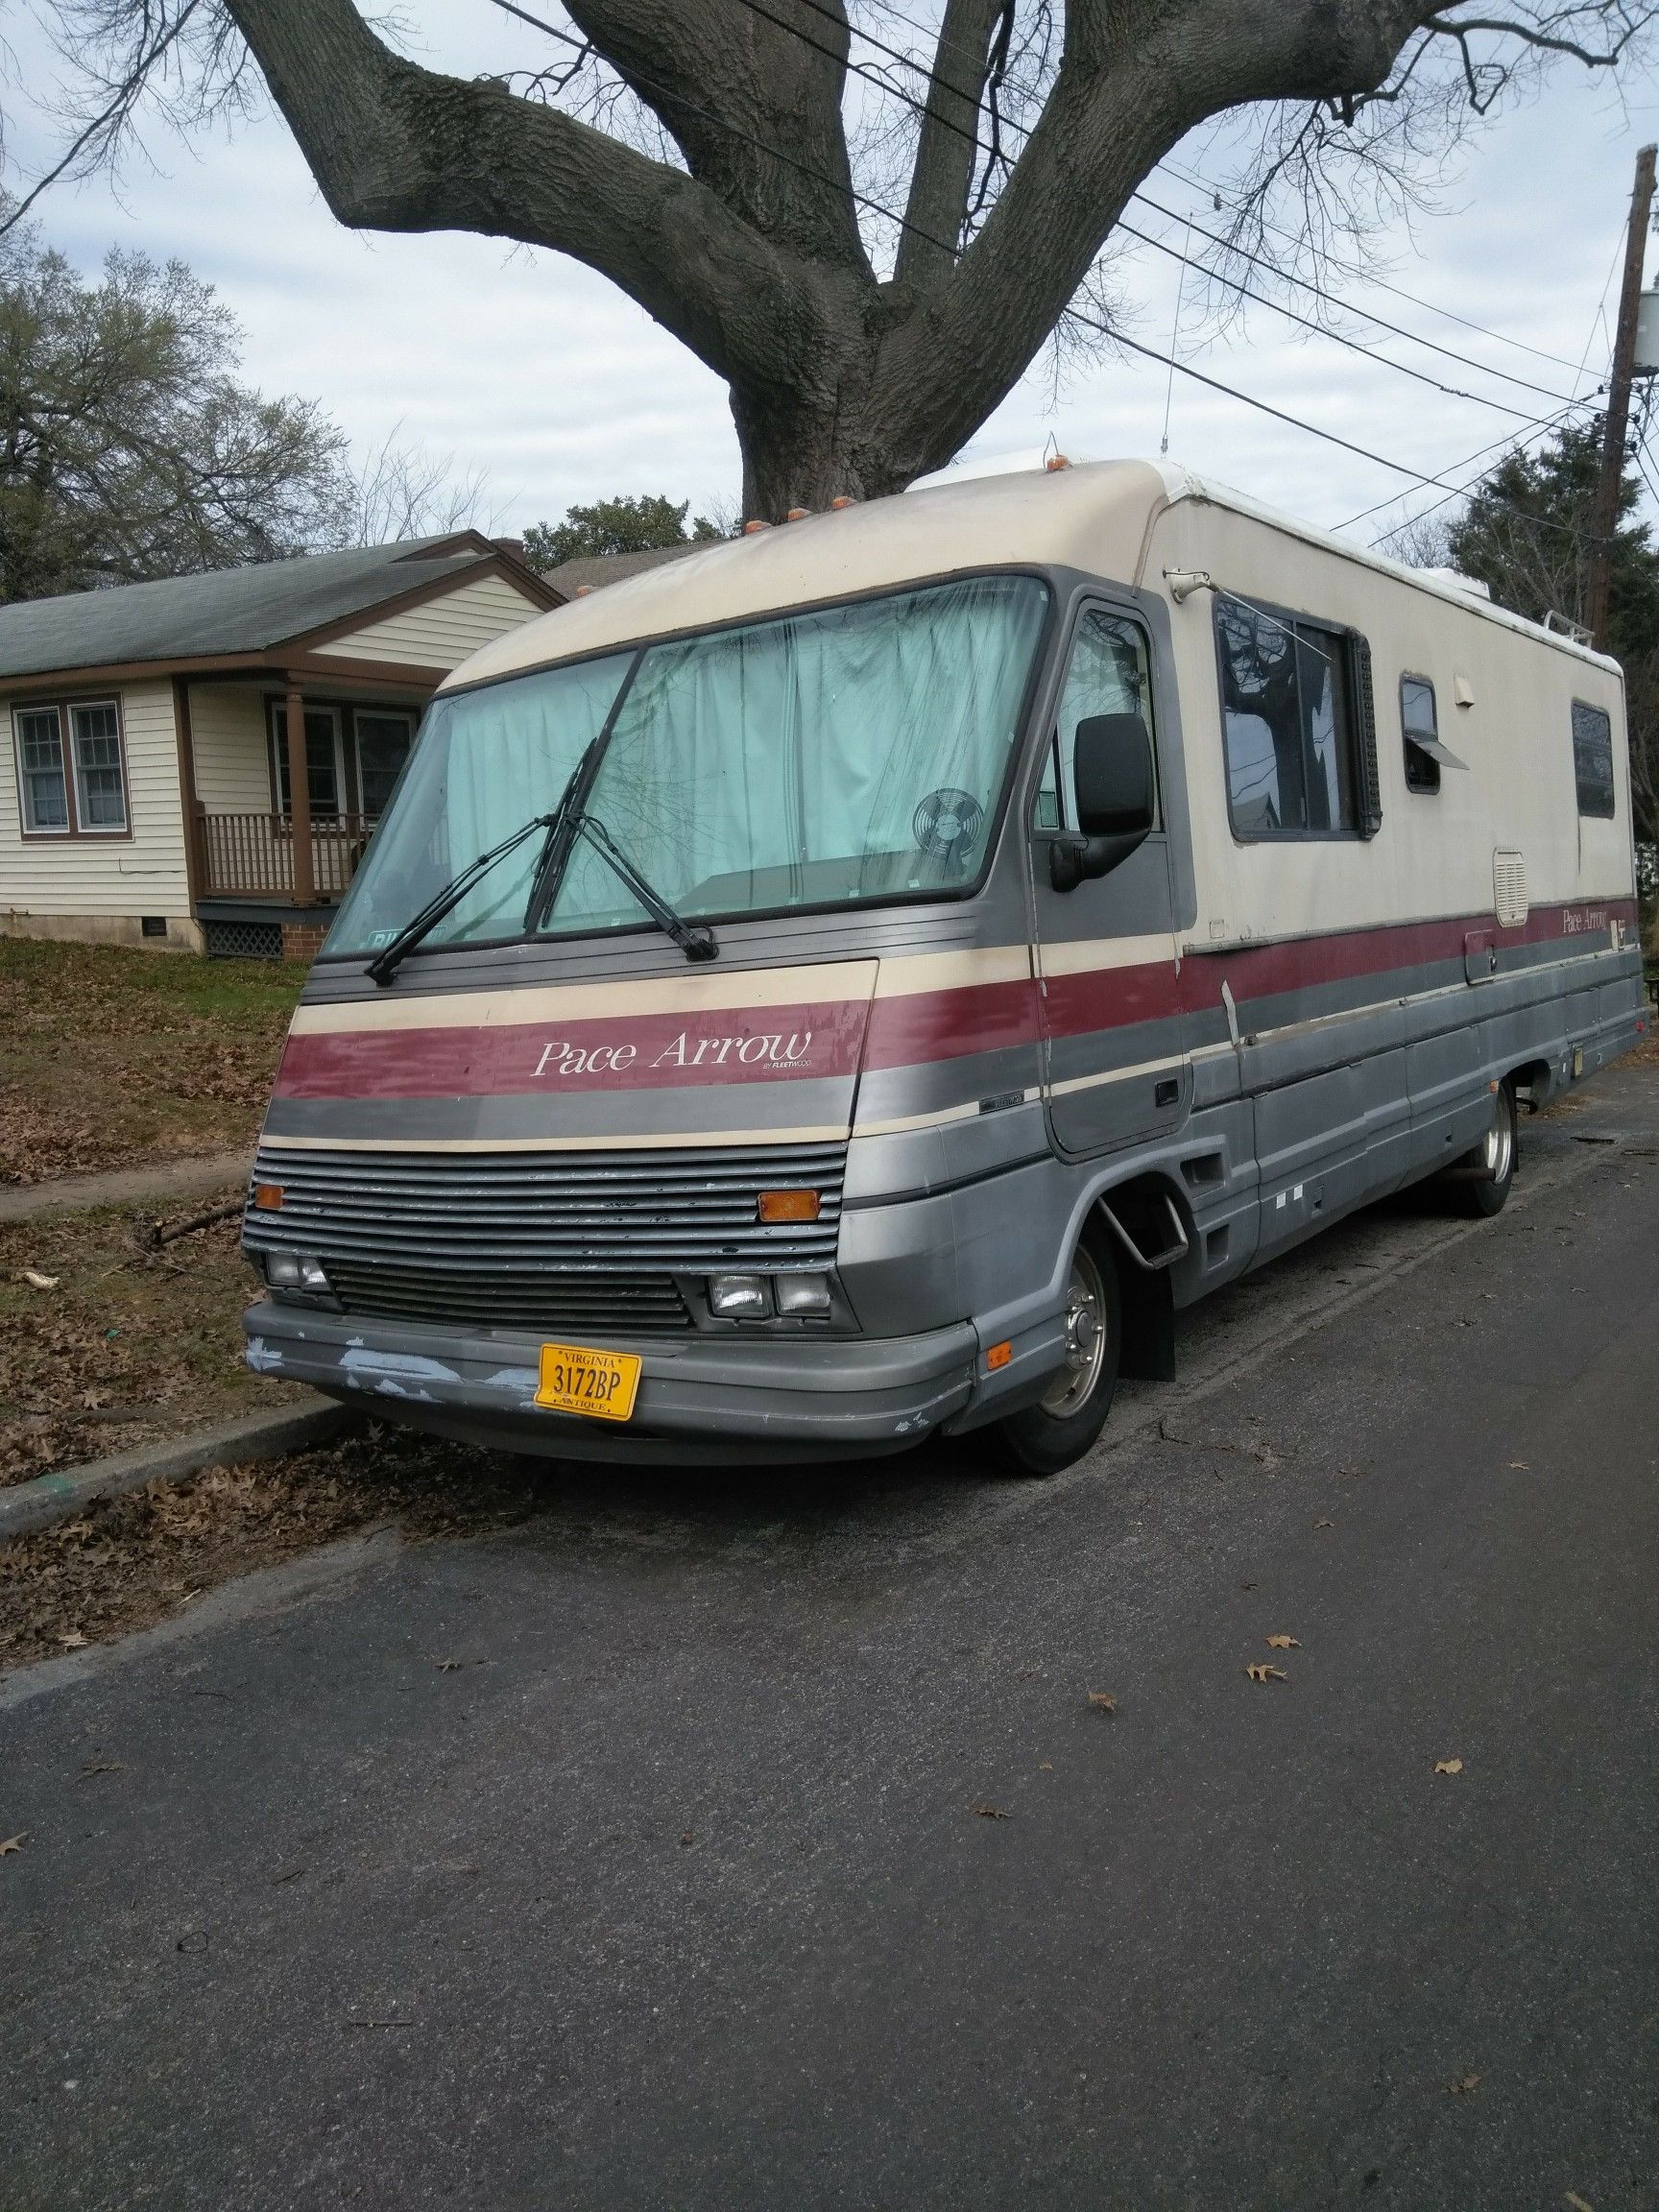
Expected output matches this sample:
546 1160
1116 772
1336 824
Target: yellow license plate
575 1379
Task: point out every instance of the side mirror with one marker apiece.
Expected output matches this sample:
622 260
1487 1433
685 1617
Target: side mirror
1113 773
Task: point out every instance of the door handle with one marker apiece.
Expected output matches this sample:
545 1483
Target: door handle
1167 1092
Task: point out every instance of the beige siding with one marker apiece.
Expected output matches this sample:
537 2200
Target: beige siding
441 631
140 874
227 737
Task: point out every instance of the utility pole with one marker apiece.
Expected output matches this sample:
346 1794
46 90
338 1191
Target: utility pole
1605 515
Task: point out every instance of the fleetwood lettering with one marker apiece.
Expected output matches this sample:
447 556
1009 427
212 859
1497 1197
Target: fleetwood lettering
772 1050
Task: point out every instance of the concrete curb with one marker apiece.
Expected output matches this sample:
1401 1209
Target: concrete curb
27 1506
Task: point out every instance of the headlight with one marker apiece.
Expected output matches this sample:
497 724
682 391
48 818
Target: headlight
740 1297
295 1271
802 1293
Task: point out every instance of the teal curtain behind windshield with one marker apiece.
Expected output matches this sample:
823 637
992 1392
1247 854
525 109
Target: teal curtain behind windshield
784 763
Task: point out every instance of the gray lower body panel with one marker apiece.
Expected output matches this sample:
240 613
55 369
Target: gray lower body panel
726 1401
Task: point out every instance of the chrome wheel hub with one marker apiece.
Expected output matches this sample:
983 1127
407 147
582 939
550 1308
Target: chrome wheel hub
1086 1331
1498 1147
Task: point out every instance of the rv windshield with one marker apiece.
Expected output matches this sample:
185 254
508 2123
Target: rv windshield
842 755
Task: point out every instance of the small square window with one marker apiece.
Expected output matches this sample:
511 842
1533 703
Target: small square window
1420 723
41 781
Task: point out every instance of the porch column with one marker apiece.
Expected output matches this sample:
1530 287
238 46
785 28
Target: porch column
300 799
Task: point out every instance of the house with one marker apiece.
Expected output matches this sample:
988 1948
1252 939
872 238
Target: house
201 760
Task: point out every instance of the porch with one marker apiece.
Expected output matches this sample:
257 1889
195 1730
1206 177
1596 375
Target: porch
287 786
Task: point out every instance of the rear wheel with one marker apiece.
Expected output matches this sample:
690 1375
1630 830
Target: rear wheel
1041 1439
1487 1172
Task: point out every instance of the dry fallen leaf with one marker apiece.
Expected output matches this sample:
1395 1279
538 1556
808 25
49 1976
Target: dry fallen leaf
1324 1524
13 1844
1525 1465
1104 1699
1578 2203
72 1640
448 1666
989 1811
101 1766
1448 1766
1045 1766
38 1282
1464 2085
1263 1674
1283 1644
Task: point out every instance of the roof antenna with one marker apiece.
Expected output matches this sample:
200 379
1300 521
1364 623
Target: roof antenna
1175 340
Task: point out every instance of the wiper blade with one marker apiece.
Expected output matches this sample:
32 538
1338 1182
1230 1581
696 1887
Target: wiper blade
385 963
695 938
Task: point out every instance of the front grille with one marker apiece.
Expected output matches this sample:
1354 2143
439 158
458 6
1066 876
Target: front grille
535 1240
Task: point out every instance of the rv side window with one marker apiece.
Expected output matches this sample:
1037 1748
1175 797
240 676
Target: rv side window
1593 759
1110 672
1422 728
1287 712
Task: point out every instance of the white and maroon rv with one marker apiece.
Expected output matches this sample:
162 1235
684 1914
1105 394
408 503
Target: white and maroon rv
860 980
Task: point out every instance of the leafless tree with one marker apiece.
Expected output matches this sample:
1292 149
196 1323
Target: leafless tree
404 491
868 227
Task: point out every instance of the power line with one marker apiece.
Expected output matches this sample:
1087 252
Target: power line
1257 260
1307 284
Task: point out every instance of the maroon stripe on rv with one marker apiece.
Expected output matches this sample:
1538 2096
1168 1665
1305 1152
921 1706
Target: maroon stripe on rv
624 1052
639 1052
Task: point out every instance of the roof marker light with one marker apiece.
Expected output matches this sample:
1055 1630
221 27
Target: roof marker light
750 528
584 591
842 499
1055 463
796 513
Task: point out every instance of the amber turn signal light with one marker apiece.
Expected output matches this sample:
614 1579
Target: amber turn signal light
999 1355
789 1206
267 1197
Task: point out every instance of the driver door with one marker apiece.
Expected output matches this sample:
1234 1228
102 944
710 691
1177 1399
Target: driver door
1115 1063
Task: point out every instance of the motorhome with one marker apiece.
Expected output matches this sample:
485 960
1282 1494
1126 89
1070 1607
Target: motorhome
864 980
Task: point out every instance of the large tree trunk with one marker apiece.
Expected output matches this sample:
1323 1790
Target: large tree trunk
841 383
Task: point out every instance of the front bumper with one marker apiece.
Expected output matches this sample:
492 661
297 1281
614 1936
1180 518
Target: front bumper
700 1400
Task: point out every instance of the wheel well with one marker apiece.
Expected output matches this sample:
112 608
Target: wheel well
1534 1082
1138 1215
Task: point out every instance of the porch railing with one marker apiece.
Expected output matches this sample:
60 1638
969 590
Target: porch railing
251 856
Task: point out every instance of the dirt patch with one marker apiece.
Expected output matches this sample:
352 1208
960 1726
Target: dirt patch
137 1559
111 1346
110 1057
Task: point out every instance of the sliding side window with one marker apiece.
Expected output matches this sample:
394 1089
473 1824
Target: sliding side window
1593 759
1296 714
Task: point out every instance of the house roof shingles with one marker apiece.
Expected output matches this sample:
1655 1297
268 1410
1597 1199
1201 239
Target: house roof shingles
226 610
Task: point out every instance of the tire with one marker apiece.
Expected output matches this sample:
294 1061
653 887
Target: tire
1056 1431
1486 1172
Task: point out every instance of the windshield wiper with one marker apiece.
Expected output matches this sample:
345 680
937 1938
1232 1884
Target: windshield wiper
384 964
695 938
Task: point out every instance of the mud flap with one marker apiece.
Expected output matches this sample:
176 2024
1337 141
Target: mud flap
1148 1324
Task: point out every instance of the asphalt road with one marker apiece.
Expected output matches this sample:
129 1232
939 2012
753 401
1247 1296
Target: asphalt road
681 1890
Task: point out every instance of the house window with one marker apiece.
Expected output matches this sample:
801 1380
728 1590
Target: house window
1420 725
383 741
1593 759
77 789
45 792
1292 740
322 762
100 785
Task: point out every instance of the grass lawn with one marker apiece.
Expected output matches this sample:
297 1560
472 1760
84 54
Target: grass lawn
113 1057
123 1346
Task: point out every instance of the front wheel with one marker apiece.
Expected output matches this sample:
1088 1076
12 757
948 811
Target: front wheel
1488 1172
1041 1439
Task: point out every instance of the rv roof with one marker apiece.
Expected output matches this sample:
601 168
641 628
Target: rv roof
1094 517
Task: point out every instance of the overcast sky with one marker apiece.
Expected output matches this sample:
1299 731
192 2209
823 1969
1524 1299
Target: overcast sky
542 376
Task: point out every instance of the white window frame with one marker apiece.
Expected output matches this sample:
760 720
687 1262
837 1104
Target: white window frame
66 827
83 827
